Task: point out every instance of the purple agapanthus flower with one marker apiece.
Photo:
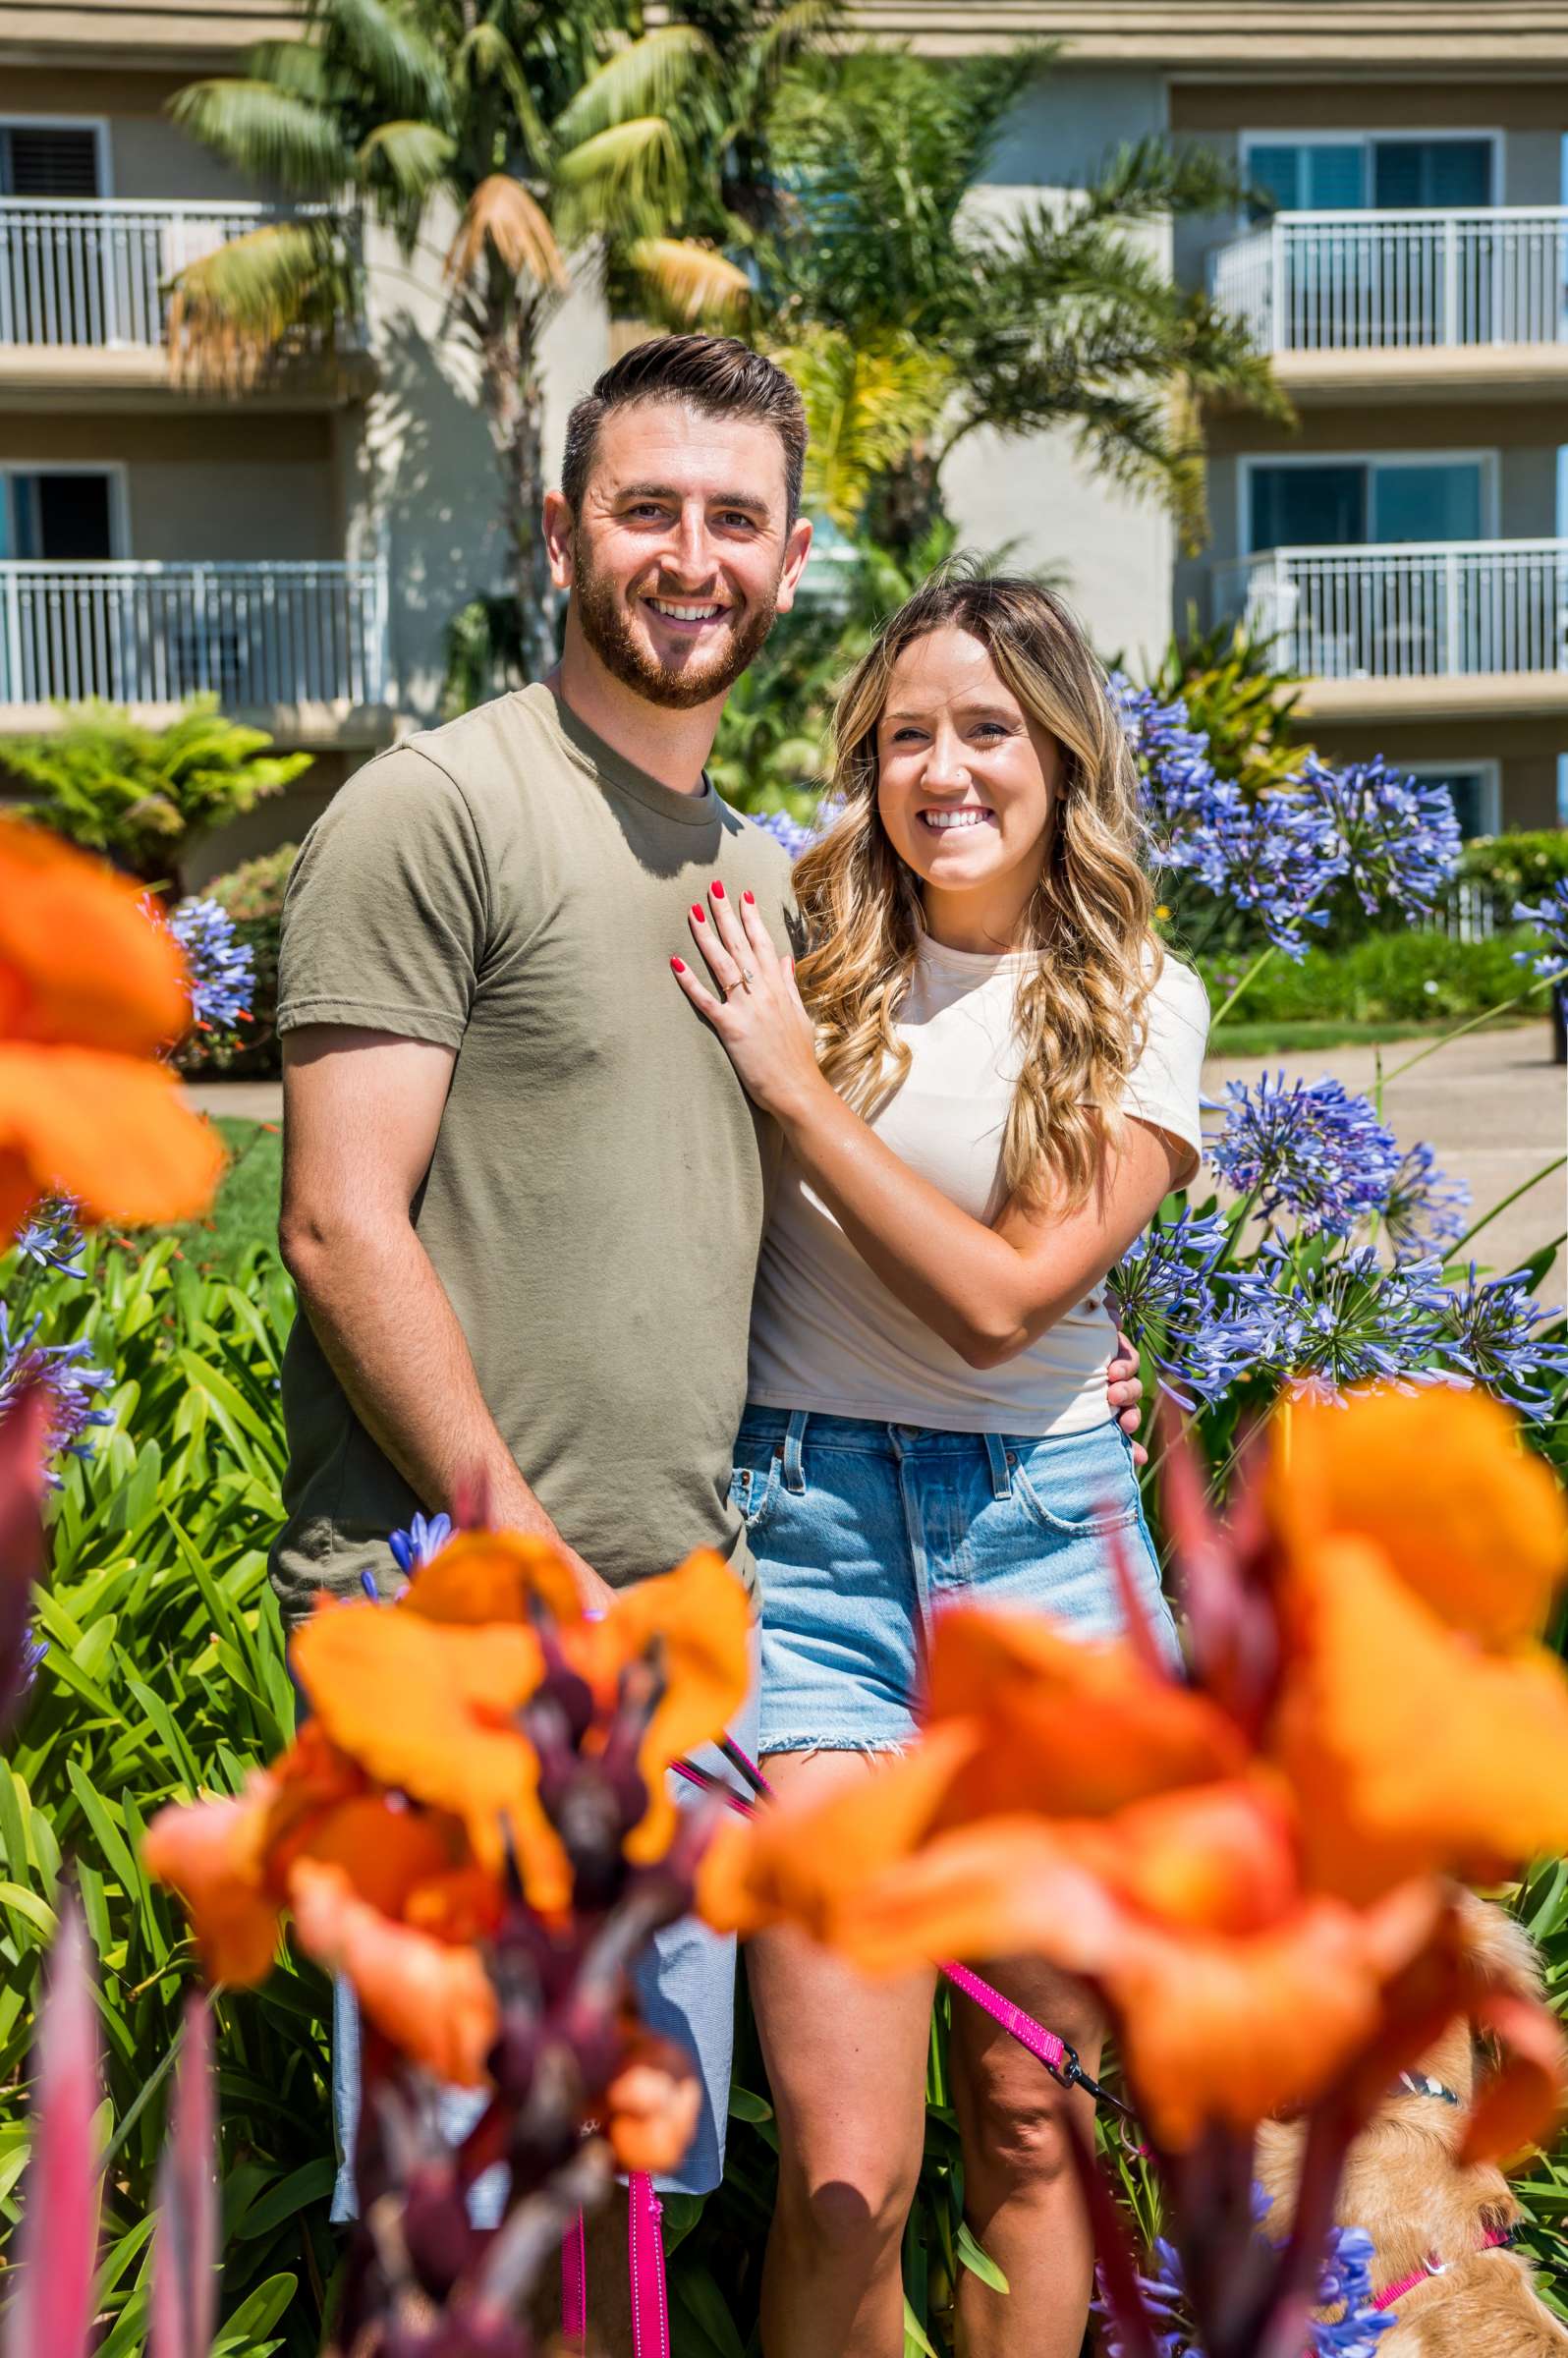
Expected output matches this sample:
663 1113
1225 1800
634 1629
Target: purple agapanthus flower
793 834
1550 918
426 1536
69 1383
1424 1210
1344 2284
1308 1148
1397 839
220 970
1493 1331
1204 1328
1357 1320
51 1237
31 1655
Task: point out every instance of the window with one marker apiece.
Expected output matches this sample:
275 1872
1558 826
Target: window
66 515
49 159
1475 791
1311 175
1350 502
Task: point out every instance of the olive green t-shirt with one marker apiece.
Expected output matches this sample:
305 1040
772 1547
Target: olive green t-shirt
510 887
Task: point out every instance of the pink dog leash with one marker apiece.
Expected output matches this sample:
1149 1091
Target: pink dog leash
651 2323
1493 2240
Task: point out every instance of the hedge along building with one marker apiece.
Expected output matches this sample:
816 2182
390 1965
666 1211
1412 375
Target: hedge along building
1404 544
298 545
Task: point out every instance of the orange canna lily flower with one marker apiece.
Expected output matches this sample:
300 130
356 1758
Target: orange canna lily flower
213 1854
452 1741
90 990
1074 1728
432 2001
697 1622
1438 1482
653 2105
485 1576
1412 1749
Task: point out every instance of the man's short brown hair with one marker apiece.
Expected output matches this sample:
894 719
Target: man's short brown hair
716 374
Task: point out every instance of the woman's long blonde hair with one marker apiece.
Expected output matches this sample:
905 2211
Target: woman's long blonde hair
1080 1008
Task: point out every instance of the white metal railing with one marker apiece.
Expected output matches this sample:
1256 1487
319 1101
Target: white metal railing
88 272
1425 609
139 633
1371 281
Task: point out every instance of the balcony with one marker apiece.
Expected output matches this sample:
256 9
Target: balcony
86 286
1363 301
306 640
1430 627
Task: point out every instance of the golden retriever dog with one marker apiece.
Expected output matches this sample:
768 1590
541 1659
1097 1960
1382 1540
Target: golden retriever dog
1404 2187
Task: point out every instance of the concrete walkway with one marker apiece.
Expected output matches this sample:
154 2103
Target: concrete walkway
1493 1105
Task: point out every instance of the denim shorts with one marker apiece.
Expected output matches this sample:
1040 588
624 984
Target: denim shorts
862 1533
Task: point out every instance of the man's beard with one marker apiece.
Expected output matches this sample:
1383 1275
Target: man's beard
607 628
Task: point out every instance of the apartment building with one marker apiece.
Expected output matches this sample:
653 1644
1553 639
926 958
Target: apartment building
1404 543
300 545
297 545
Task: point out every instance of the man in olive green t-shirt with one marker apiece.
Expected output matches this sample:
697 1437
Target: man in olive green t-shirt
523 1189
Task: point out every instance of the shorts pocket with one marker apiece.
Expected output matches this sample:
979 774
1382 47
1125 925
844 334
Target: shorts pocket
1078 1485
754 1483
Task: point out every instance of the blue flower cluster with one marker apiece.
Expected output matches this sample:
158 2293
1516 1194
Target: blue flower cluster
1491 1333
220 969
1548 916
1308 1148
1396 839
1204 1326
1282 854
1344 2286
1424 1210
793 834
69 1382
51 1237
1357 1320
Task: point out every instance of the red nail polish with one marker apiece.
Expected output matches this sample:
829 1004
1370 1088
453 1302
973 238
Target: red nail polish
749 897
718 889
699 912
679 964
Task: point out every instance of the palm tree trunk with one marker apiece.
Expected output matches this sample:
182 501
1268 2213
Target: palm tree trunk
514 408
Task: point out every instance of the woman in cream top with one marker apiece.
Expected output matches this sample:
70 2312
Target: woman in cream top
987 1076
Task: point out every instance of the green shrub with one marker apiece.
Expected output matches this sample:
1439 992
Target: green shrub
253 897
1518 866
165 1674
143 795
1386 978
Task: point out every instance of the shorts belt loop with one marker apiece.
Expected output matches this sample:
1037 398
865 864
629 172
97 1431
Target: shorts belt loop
794 1434
1001 1471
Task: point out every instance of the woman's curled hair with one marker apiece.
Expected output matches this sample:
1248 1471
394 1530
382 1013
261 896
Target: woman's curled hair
1080 1009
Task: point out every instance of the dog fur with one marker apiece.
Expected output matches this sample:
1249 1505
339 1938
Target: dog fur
1404 2187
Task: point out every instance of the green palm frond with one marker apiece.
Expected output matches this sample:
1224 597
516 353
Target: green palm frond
690 283
866 404
1149 176
647 78
413 157
269 133
622 175
484 55
386 48
298 67
229 312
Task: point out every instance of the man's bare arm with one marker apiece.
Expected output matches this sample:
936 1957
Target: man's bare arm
361 1112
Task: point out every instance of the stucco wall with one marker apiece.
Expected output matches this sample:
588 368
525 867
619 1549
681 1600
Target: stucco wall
425 476
1110 553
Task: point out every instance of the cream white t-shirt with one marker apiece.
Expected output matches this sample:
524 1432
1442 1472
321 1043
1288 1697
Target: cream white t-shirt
827 1334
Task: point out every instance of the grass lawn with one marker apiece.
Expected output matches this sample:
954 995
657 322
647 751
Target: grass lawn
245 1212
1265 1038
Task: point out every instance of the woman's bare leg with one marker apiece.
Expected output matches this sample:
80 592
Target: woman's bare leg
1021 2196
845 2060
